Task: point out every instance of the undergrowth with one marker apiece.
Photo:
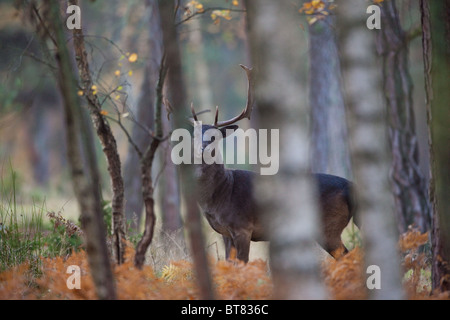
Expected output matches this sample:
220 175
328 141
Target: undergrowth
232 280
20 228
34 261
25 238
344 277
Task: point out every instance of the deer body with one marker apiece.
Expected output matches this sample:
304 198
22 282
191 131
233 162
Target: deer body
227 199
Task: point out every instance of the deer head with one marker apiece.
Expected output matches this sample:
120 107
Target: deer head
212 133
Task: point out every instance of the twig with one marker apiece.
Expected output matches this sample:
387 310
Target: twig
197 13
36 58
36 12
103 38
130 140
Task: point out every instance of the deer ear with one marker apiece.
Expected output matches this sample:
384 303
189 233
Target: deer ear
228 130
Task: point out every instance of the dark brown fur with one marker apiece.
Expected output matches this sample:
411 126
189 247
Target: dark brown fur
227 199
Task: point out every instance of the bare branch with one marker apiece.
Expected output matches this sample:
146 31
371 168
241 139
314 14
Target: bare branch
197 13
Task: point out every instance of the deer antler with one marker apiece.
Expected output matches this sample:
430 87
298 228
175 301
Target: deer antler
248 108
194 115
244 114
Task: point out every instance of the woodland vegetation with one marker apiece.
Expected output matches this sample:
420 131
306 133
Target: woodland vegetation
91 92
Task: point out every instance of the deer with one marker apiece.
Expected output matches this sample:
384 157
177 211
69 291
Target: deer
227 199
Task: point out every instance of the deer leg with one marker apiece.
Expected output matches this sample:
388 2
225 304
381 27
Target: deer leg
333 243
332 239
228 246
335 218
242 242
335 248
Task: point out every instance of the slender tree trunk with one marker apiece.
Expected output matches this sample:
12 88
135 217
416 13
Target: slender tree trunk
170 190
86 189
202 82
132 174
178 100
436 53
287 197
145 116
369 146
38 135
146 172
411 203
329 151
108 143
169 193
148 156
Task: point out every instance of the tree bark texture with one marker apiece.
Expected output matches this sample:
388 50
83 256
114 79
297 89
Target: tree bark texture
87 190
435 17
409 185
369 146
146 175
108 143
287 198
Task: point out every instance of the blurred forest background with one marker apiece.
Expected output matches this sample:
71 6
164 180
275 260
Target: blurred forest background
212 50
124 42
30 101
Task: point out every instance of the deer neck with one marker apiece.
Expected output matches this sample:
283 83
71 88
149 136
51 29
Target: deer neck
215 184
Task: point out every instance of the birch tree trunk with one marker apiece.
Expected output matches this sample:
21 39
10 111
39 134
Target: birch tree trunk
287 197
108 142
178 101
329 151
86 189
369 146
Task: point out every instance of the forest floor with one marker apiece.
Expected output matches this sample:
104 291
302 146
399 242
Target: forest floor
38 245
46 277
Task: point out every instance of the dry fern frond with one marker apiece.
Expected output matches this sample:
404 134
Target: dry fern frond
412 240
417 280
177 271
344 276
236 280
